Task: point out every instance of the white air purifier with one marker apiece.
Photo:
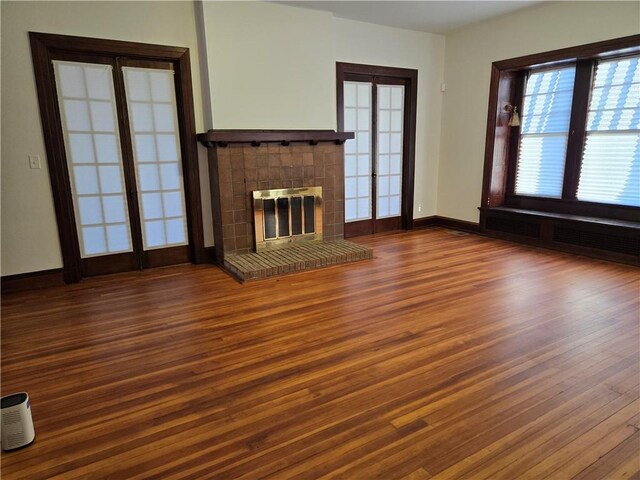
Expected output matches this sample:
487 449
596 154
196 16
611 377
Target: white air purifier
17 425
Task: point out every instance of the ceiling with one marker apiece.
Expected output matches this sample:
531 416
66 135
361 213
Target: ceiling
425 16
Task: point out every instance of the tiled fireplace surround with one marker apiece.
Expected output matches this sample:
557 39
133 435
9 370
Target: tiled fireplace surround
243 161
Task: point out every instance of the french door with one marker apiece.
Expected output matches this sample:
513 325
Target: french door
120 165
123 162
377 108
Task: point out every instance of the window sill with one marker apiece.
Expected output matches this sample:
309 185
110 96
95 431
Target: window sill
571 208
606 238
566 216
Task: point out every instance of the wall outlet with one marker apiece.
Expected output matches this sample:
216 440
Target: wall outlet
419 208
34 162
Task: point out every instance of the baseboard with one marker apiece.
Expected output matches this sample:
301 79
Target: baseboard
208 255
446 222
32 281
456 224
425 222
50 278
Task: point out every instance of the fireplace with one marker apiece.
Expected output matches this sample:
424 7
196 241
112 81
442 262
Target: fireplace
272 189
285 216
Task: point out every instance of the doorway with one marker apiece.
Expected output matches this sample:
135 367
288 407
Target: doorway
378 104
119 130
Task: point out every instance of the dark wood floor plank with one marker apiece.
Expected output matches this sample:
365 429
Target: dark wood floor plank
445 356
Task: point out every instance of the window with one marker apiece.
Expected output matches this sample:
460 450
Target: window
610 171
545 129
607 147
576 150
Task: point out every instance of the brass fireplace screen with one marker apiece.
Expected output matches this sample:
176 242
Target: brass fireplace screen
287 215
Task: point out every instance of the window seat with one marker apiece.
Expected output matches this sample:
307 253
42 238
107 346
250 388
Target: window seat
610 239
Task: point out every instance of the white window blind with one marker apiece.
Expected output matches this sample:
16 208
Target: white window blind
390 118
610 171
544 132
89 122
357 152
156 151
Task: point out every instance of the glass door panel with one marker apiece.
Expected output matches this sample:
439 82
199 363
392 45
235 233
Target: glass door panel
358 152
153 122
390 114
90 128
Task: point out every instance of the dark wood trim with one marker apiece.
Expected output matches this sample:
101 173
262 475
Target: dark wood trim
409 165
375 70
511 161
564 216
374 155
358 228
499 137
44 47
410 78
447 222
423 222
106 264
216 205
208 254
455 224
24 282
577 127
165 256
388 224
54 145
489 142
613 240
189 151
222 138
614 46
110 47
575 207
129 168
137 63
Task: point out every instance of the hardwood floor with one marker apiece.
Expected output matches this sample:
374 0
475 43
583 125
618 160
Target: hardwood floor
446 356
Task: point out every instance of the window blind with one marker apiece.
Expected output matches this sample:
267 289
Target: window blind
610 171
544 132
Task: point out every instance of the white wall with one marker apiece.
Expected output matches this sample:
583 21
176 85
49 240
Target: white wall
358 42
270 66
273 66
469 54
29 232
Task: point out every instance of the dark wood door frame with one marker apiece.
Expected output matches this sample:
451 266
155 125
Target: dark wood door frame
409 76
44 47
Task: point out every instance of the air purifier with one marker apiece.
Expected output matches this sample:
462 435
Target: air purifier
17 425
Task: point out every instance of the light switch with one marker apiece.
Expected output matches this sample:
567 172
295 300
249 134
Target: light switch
34 162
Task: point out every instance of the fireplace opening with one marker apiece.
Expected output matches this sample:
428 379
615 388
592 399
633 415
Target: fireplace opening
284 216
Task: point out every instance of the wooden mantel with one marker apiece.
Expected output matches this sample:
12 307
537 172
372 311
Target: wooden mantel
222 138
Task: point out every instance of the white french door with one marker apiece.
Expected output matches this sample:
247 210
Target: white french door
373 108
124 162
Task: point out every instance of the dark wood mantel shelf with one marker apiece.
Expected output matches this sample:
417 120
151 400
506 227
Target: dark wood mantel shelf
222 138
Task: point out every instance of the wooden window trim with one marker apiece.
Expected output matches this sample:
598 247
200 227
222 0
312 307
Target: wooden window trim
344 70
43 47
507 85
